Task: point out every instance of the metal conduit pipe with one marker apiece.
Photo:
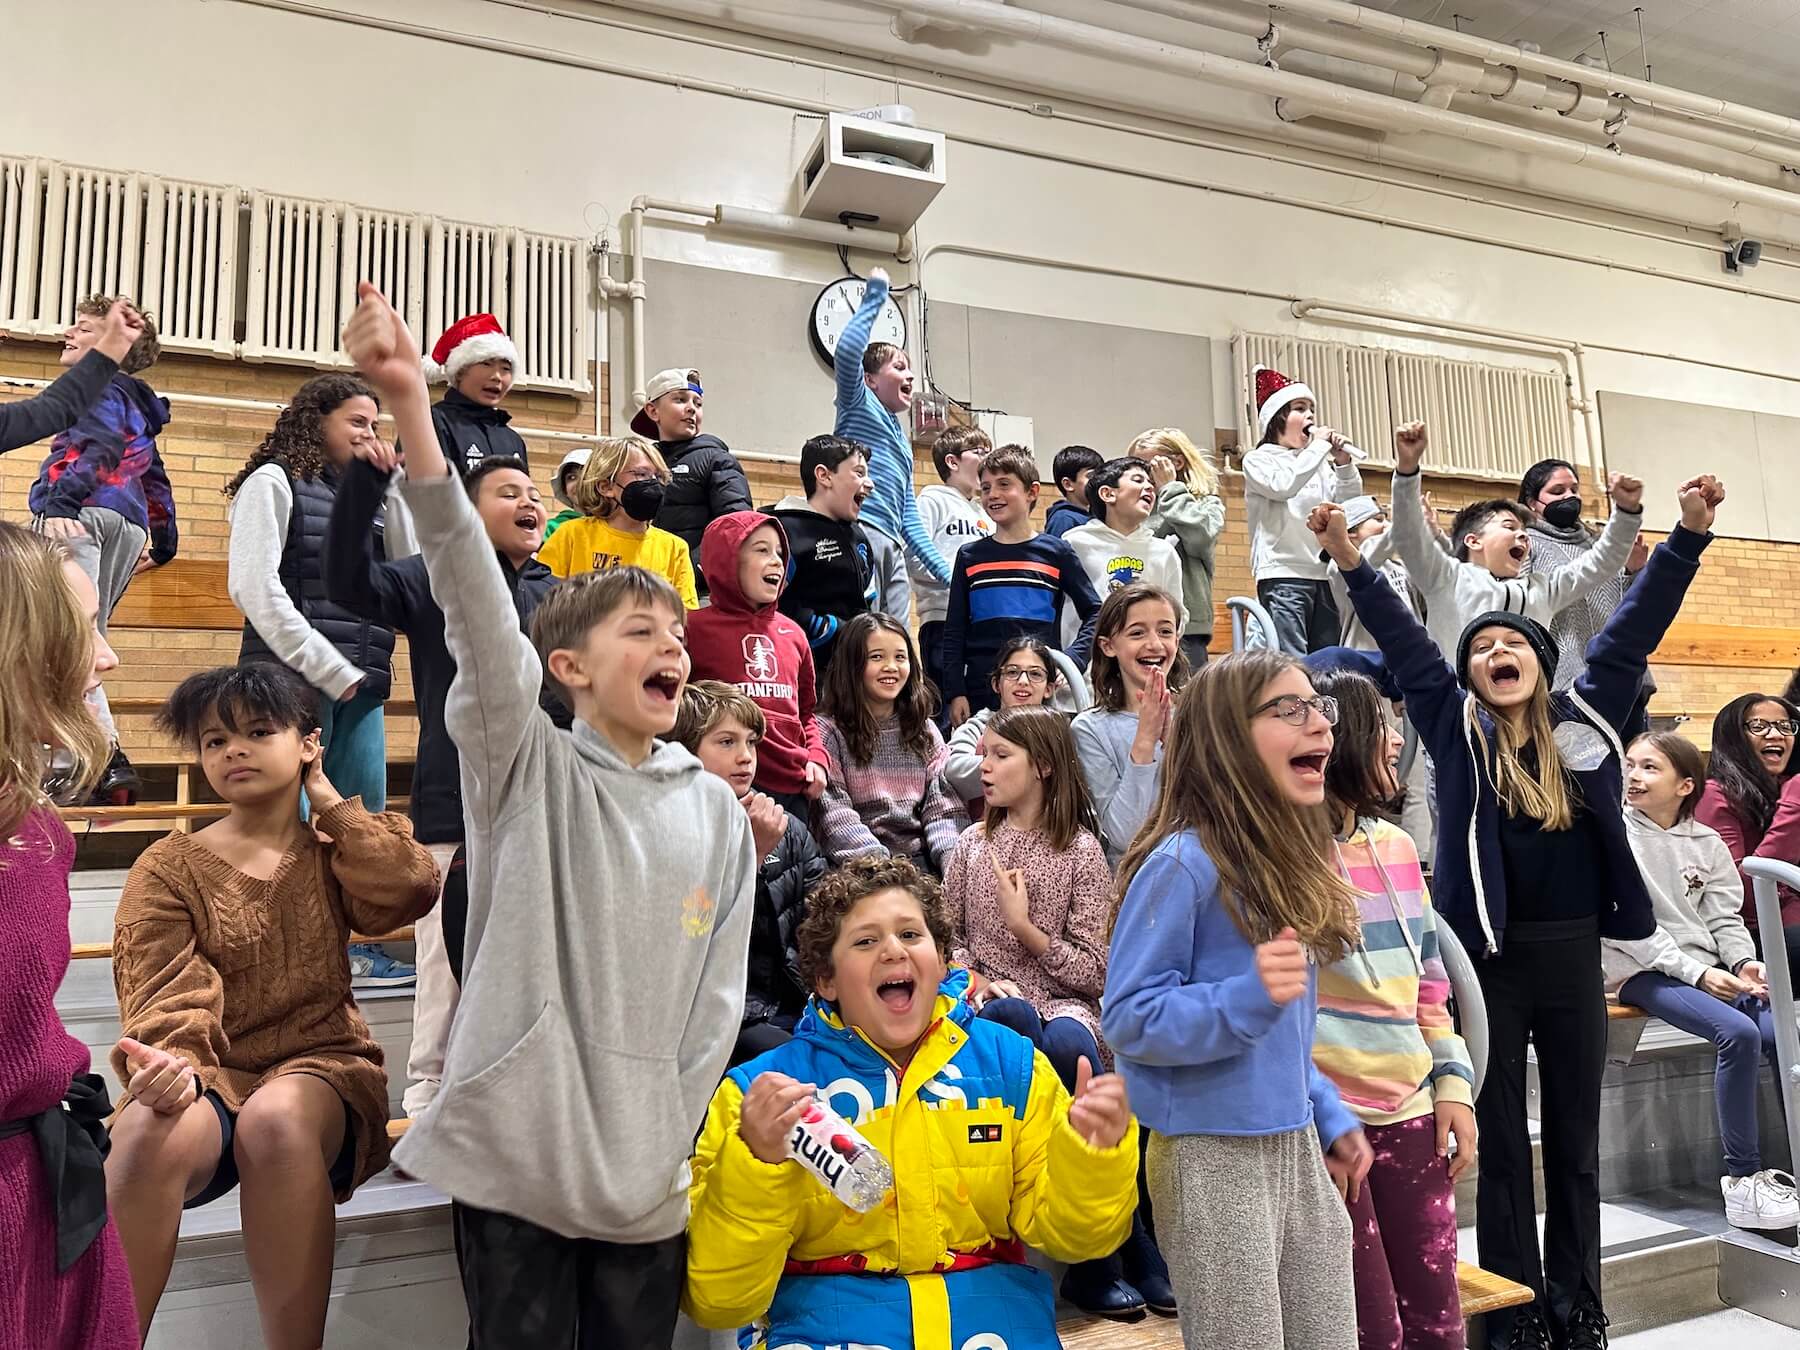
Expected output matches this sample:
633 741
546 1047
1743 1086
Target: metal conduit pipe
1419 34
1636 116
1343 104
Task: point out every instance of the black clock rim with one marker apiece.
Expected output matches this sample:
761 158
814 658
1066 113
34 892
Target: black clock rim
812 326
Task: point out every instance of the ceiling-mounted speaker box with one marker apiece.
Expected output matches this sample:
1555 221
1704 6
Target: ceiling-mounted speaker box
863 172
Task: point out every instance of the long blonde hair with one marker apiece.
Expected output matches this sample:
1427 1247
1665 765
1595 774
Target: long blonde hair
611 455
50 646
1274 858
1197 470
1543 795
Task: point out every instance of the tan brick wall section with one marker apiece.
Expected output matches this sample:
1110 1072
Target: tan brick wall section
1744 582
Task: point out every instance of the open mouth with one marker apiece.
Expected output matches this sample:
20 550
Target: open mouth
1505 677
1149 661
528 521
1310 767
896 994
665 685
1633 792
1516 553
772 578
1774 754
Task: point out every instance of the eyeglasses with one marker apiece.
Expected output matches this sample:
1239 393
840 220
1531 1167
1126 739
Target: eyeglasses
1021 675
1757 726
1292 709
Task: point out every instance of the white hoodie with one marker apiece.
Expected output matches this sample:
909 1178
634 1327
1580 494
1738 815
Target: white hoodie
1113 560
1281 487
1699 901
951 520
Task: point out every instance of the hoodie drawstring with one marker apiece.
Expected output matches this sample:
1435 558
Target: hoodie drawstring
1366 829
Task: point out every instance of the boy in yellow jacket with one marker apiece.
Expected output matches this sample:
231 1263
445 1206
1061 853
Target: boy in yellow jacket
989 1152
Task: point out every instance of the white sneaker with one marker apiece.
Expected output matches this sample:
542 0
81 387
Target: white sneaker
1766 1200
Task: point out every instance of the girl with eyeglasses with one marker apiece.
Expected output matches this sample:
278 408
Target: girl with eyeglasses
1533 869
1025 676
1752 799
1231 902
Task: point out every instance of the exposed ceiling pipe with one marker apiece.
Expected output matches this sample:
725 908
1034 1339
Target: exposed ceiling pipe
1420 34
1629 112
1340 103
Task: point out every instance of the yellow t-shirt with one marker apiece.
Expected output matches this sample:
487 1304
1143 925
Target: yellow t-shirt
589 544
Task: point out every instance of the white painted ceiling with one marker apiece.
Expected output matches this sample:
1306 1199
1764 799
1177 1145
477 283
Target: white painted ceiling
1747 51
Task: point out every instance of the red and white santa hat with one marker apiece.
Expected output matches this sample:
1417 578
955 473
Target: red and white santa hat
1274 391
466 342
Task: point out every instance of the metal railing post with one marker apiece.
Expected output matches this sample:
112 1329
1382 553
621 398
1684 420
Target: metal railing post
1242 607
1764 874
1471 1008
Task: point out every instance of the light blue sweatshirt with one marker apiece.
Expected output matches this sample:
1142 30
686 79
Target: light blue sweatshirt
1203 1048
891 507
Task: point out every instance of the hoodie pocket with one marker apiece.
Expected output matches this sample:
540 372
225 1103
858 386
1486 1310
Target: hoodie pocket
597 1135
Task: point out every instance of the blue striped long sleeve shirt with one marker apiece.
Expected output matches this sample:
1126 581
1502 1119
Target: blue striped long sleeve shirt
892 508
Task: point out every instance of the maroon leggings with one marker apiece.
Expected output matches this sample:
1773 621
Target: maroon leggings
1405 1257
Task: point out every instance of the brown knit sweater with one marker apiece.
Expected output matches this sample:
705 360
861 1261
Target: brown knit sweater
250 979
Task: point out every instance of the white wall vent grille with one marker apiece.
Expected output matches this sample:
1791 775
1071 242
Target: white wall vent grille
205 259
1486 421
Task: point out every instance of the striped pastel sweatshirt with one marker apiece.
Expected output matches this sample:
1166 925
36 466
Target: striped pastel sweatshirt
1384 1037
891 507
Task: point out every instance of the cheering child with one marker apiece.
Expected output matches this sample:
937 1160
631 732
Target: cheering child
1025 676
1231 900
1533 868
884 795
1138 669
1752 798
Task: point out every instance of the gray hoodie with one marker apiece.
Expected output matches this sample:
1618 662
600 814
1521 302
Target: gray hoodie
1699 900
609 926
1124 792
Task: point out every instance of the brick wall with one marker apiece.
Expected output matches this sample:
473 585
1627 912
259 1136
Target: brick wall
1744 582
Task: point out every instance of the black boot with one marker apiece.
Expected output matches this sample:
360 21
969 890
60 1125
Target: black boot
1099 1287
1529 1331
1145 1268
1586 1328
120 784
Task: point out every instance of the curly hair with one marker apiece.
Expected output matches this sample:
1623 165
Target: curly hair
145 351
297 442
831 901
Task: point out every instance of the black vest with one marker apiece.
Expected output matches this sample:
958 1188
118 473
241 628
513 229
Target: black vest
367 646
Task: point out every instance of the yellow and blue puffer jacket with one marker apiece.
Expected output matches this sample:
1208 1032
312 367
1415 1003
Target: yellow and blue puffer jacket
985 1162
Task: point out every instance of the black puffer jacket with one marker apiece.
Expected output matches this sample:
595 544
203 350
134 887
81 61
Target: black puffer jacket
364 644
470 432
705 482
791 870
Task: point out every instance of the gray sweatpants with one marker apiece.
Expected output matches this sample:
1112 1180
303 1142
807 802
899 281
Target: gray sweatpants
108 552
1257 1240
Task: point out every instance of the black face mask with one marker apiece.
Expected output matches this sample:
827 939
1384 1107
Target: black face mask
642 499
1563 512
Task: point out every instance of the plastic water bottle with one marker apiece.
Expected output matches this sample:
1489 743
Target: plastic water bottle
846 1164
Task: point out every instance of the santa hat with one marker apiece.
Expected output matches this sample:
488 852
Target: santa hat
1274 391
468 342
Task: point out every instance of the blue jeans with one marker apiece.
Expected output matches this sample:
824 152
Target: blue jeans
355 744
1740 1030
1064 1041
1305 614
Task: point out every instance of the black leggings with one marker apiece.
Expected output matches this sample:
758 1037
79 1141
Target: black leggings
1544 987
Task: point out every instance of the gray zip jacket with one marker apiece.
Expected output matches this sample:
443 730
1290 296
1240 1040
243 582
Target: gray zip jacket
609 927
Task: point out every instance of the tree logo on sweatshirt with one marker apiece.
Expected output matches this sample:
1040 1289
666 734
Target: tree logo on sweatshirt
759 658
697 913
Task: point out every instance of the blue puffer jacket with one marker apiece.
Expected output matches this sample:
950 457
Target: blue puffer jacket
976 1128
1469 881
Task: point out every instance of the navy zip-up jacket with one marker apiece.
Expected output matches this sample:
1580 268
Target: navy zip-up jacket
1469 881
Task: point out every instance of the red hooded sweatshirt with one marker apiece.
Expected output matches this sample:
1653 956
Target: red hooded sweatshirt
758 649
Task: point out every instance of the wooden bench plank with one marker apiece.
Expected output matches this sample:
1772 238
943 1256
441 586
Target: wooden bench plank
1729 646
185 593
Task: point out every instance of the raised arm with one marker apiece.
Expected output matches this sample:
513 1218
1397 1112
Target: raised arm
493 702
170 994
76 390
1194 521
1620 653
847 356
1433 571
1272 472
260 515
1606 559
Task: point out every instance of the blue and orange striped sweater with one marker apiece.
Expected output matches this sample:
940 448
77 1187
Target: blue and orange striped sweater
1384 1036
999 591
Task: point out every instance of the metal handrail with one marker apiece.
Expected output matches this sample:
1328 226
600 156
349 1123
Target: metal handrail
1242 607
1075 682
1764 874
1409 751
1471 1008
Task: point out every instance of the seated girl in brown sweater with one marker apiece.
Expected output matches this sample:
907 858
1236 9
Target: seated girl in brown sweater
244 1056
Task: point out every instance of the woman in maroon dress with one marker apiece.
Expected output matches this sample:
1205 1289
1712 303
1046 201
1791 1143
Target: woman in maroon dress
67 1287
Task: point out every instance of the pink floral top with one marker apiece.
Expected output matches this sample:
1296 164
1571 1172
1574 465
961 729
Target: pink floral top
1070 898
